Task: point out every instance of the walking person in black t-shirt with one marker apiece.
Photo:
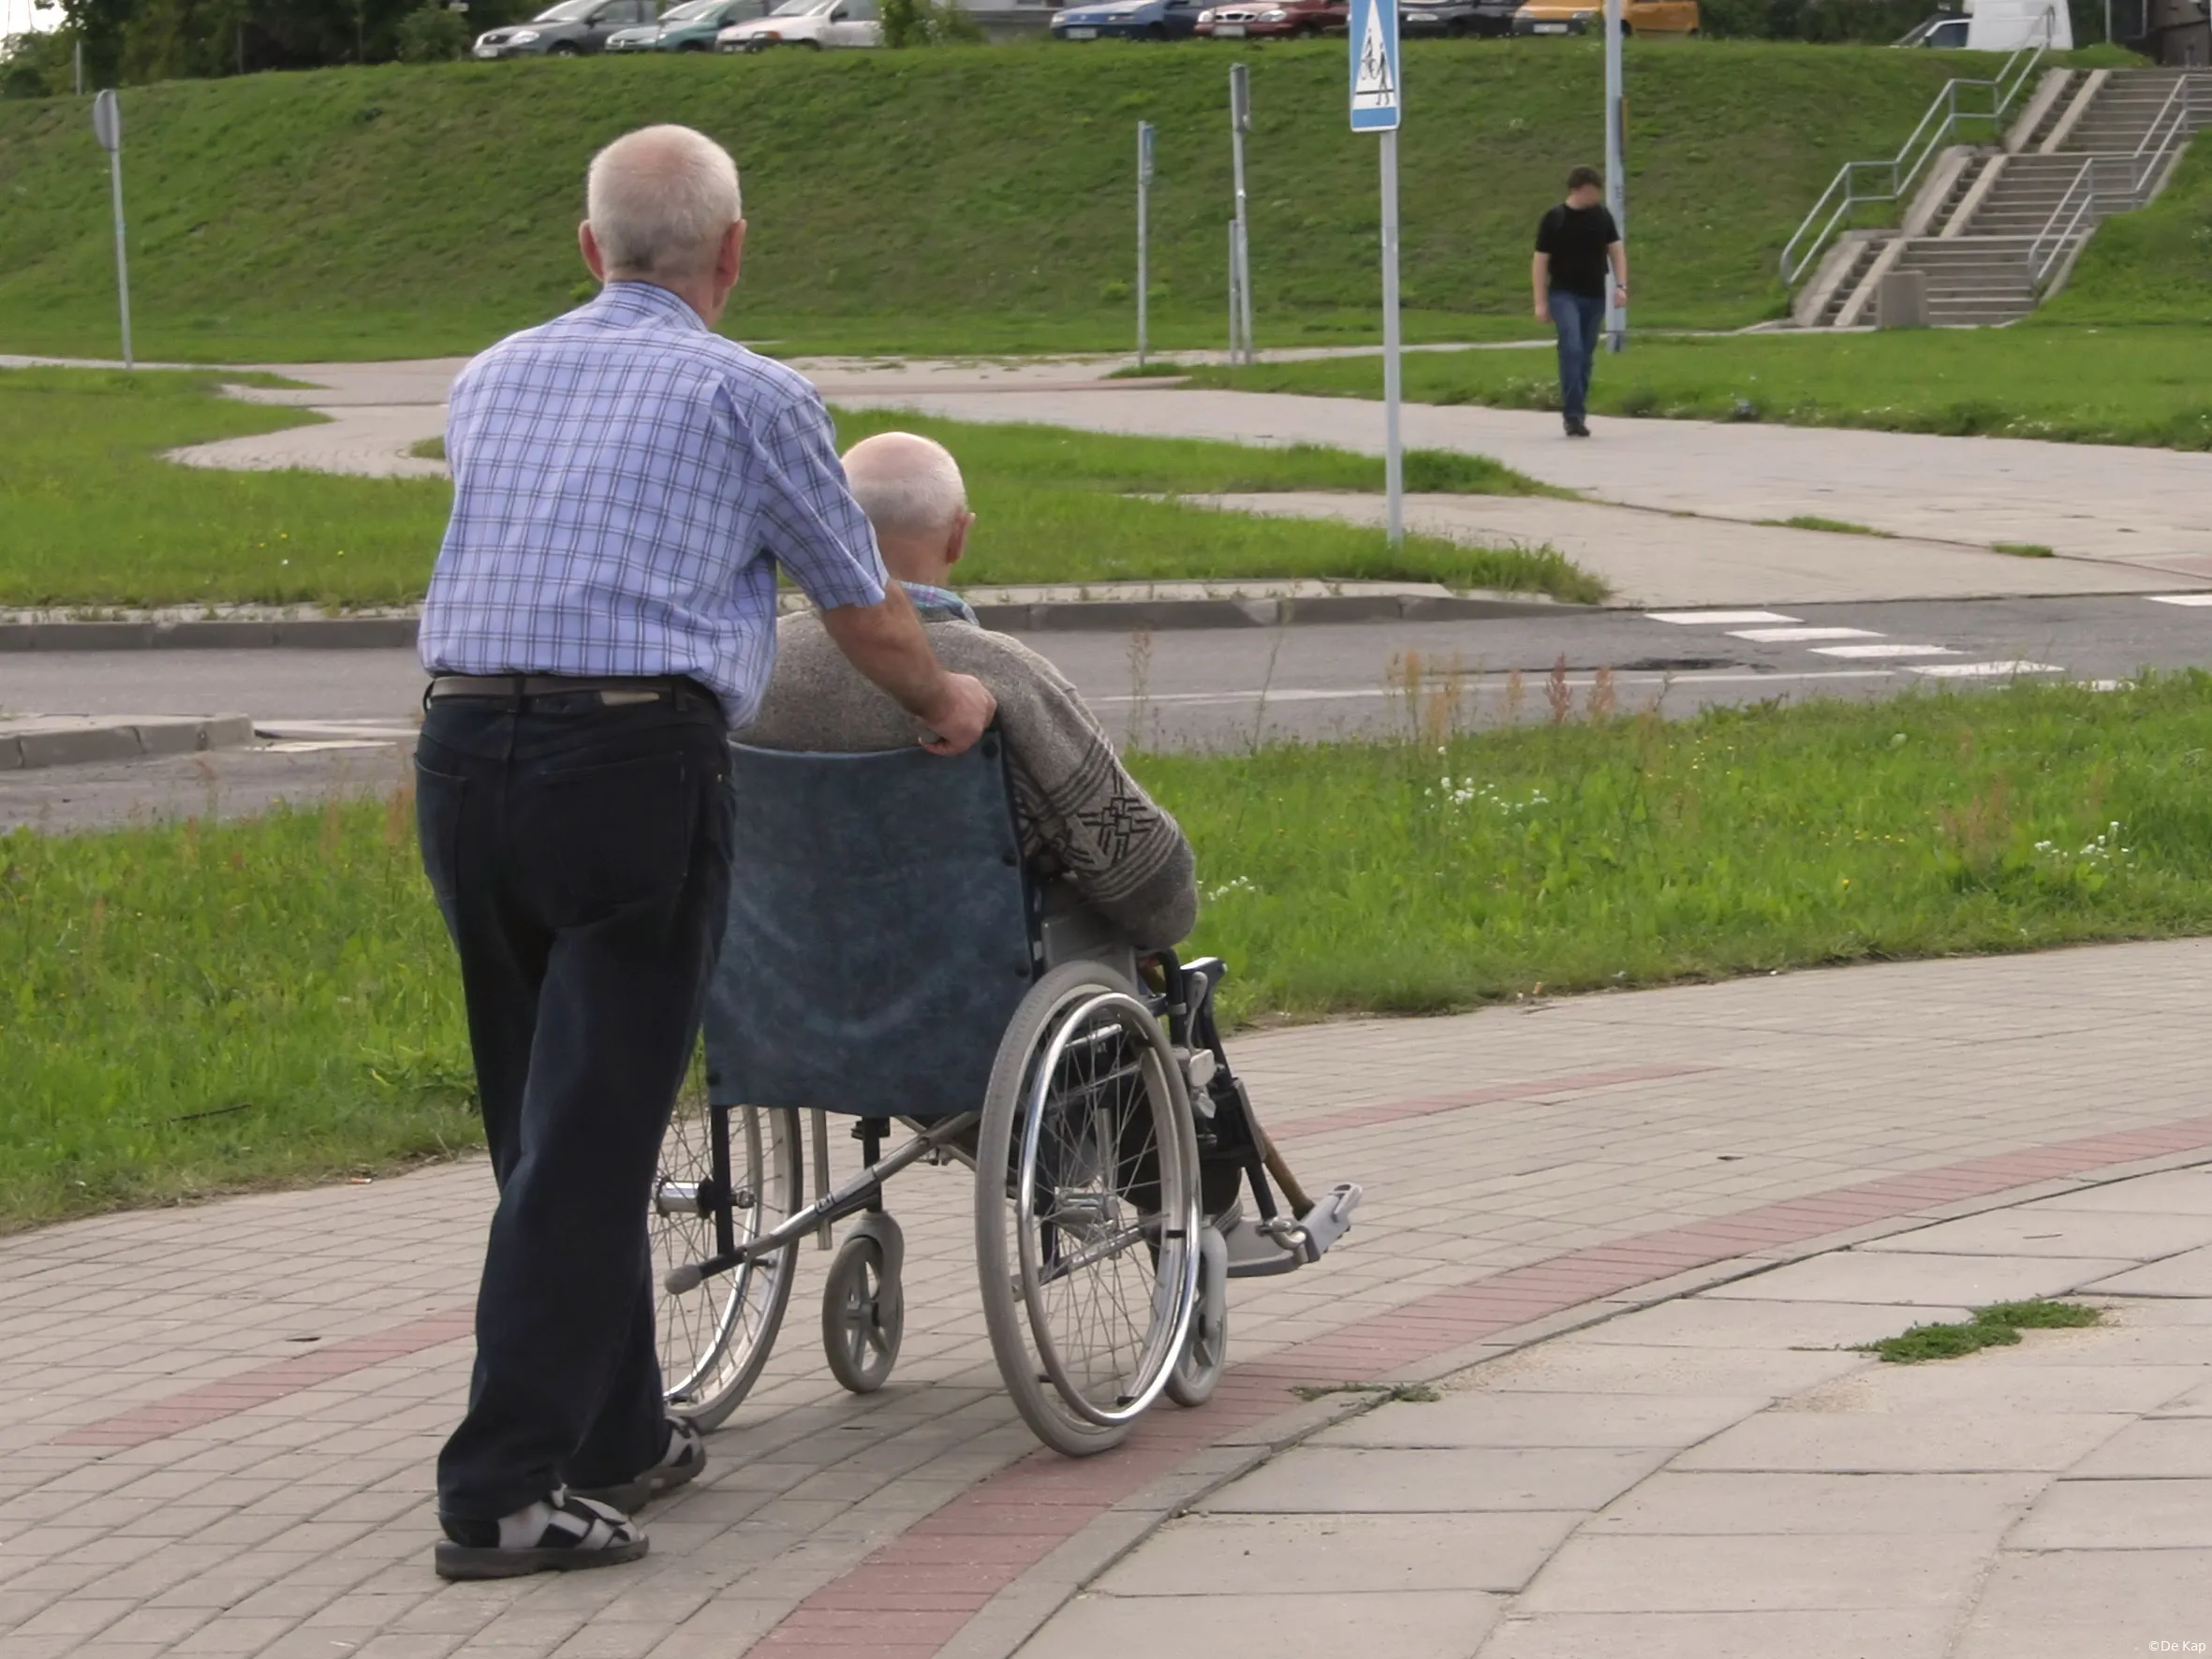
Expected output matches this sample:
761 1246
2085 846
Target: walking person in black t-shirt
1575 244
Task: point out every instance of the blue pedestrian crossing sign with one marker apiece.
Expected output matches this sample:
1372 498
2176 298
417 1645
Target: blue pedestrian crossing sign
1374 36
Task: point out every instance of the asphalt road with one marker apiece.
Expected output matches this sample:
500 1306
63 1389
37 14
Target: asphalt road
337 721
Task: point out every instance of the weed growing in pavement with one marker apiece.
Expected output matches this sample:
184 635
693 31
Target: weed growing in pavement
2024 550
1404 1393
1997 1326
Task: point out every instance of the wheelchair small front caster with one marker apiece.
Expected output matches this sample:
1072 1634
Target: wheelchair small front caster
863 1308
1205 1350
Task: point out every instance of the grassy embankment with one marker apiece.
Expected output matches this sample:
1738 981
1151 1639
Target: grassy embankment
90 514
972 200
194 1008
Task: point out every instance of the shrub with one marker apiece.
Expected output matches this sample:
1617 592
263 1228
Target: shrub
432 35
928 22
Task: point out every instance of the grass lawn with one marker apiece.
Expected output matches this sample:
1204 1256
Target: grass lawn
969 200
91 515
199 1008
2082 383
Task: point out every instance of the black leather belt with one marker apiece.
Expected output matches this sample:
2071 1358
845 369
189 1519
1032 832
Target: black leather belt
523 688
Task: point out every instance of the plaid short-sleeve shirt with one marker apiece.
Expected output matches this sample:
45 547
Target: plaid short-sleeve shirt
626 482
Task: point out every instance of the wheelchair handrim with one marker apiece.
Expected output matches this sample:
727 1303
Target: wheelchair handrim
1156 1360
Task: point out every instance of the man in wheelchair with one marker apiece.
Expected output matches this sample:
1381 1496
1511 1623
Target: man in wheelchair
979 951
1091 835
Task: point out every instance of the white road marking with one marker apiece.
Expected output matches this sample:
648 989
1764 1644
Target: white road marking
320 746
391 731
1718 618
2196 599
1797 636
1984 670
1877 652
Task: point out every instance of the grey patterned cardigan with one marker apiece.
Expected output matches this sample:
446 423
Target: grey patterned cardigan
1082 816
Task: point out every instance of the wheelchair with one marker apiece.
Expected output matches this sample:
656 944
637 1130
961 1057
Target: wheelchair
889 959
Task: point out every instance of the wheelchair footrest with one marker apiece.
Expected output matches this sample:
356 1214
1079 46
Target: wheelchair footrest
1257 1251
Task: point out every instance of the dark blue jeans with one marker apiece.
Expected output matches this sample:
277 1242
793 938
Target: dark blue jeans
580 856
1580 318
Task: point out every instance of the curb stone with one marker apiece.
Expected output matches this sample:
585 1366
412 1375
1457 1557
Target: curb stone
65 741
388 632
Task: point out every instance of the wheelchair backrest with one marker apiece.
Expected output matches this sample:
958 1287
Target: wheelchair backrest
881 932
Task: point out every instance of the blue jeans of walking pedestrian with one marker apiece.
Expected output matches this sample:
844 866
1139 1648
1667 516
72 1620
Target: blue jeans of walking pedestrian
1580 318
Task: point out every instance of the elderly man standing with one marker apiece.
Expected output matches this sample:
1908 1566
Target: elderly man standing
602 611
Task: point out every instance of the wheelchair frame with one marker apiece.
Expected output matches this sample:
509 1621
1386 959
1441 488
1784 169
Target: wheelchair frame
1169 1025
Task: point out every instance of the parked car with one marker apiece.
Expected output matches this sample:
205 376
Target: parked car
1276 19
1128 19
690 28
1945 29
811 23
567 30
1581 16
1455 18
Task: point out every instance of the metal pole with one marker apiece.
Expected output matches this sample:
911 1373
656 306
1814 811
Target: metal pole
76 56
1143 229
1233 310
122 263
1394 462
1616 184
1240 119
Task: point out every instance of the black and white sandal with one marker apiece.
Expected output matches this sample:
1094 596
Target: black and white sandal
685 1456
556 1534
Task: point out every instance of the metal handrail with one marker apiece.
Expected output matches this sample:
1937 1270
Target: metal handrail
2039 261
2140 169
1891 180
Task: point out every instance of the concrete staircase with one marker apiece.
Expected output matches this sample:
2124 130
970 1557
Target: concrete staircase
1973 234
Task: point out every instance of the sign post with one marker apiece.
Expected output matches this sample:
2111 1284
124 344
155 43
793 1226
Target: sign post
1376 88
1616 165
107 126
1240 246
1146 134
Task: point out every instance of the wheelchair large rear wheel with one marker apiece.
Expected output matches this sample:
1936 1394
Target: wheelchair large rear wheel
1087 1208
715 1337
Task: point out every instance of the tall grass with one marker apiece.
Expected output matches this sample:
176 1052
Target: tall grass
196 1008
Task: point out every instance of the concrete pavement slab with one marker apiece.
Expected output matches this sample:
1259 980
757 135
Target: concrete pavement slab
1814 1441
1687 1504
1580 1364
1403 1624
2040 1229
2160 1448
2150 1514
1484 1419
1829 1634
1669 559
2177 1192
1984 1384
1773 1573
2076 1604
1330 1480
2188 1274
1760 1326
1910 1279
1341 1554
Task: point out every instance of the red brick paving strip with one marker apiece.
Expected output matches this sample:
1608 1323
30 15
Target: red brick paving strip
262 1383
920 1591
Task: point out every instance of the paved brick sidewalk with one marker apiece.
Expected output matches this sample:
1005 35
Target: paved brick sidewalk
217 1424
1725 1477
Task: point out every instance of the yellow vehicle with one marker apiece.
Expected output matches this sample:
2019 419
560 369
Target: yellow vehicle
1660 18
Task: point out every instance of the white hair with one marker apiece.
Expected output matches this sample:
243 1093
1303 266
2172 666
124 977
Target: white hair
659 201
906 484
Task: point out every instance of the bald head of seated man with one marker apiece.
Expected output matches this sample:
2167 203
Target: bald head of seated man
1086 822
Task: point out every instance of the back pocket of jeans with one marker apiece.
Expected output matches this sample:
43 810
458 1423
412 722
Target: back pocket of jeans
617 835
